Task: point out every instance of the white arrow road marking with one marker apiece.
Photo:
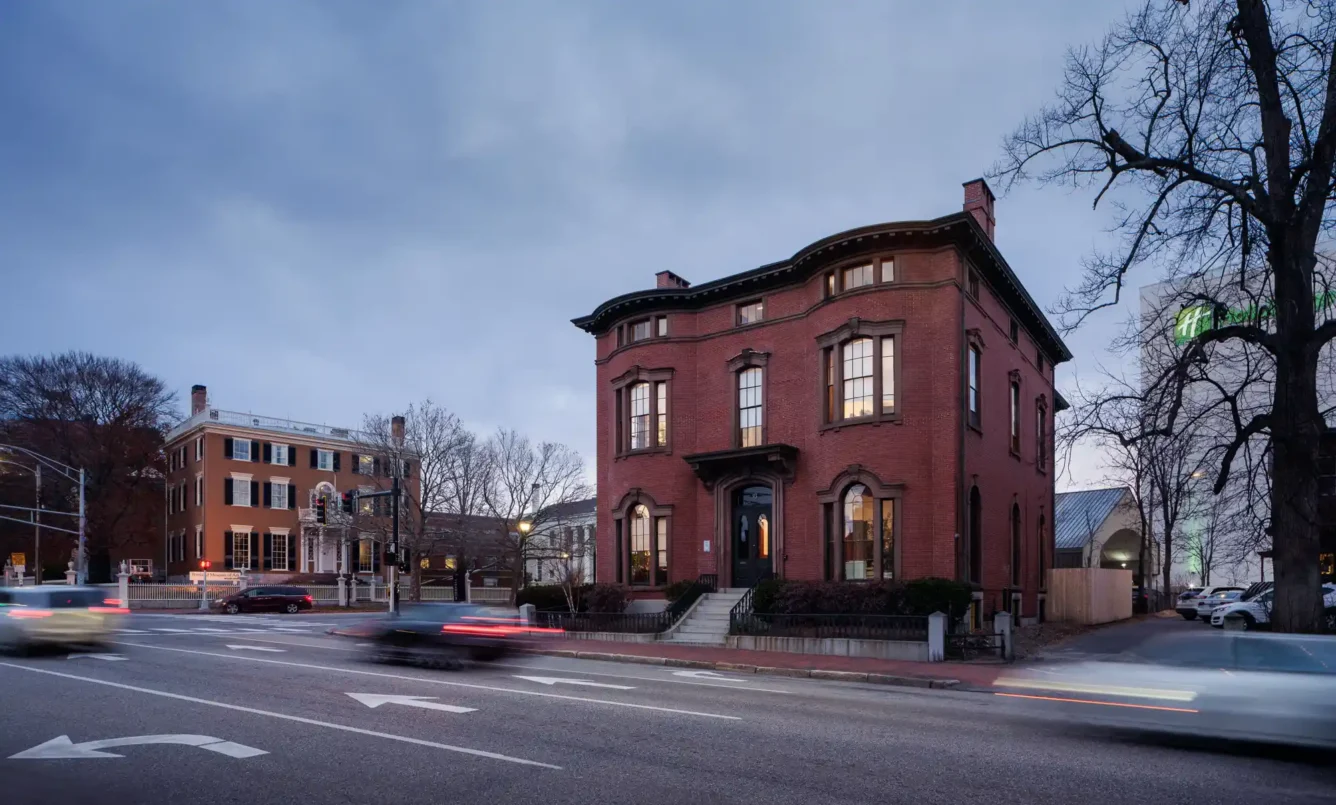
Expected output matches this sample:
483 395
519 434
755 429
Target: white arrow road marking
555 680
463 750
374 700
710 675
235 647
107 657
64 748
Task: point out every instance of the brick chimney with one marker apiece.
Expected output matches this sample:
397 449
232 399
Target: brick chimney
667 279
979 203
199 399
397 429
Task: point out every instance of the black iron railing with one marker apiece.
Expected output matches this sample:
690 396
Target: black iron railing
706 583
963 643
624 622
857 627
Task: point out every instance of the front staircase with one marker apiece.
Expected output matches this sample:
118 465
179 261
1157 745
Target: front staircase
707 625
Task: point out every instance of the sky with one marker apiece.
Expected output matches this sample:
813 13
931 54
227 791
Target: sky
331 208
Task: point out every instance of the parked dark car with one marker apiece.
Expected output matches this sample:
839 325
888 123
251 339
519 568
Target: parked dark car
443 635
267 599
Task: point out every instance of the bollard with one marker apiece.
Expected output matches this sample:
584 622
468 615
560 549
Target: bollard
937 637
528 614
123 588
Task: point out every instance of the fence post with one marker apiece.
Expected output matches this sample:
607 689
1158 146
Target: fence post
343 593
71 574
528 614
123 588
937 637
1002 626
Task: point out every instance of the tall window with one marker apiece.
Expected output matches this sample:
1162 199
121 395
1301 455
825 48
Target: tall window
199 448
241 449
1040 436
199 490
976 359
640 546
888 373
857 365
241 492
279 453
639 416
832 413
749 312
365 555
1015 545
749 407
279 551
661 550
972 283
324 460
278 495
199 541
858 562
661 326
1015 417
641 330
888 538
241 558
661 409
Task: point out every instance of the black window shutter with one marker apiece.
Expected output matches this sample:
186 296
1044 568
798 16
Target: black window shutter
255 451
315 458
353 469
227 549
336 461
255 493
254 550
375 467
292 456
292 551
227 447
375 557
268 551
268 495
292 496
268 453
408 469
227 491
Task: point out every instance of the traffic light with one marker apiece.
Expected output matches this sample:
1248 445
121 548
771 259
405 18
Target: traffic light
320 503
349 502
205 564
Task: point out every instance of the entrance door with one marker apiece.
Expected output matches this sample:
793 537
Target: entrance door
753 535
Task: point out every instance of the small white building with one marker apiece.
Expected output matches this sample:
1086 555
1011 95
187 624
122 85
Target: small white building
562 546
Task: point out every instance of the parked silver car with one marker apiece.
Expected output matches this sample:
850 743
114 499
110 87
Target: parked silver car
1275 688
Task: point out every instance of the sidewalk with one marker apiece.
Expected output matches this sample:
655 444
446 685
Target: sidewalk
817 666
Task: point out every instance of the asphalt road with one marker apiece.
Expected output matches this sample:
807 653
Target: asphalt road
269 699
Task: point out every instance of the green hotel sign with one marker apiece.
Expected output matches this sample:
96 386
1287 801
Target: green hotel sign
1193 321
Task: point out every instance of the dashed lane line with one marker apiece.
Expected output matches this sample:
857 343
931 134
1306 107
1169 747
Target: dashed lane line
466 685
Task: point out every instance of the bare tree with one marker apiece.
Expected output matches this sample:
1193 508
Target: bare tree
424 456
1211 128
528 488
106 416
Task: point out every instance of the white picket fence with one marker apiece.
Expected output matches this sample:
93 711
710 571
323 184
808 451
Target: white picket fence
172 596
187 596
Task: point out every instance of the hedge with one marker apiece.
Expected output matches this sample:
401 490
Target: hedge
916 597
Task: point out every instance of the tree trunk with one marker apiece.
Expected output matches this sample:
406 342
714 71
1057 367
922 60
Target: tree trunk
517 576
1296 430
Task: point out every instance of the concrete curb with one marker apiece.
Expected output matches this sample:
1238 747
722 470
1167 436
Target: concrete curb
817 673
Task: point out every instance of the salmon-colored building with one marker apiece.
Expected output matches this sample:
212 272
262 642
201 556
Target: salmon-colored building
241 492
877 406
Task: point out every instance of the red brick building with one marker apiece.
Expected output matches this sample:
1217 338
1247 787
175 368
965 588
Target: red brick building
878 406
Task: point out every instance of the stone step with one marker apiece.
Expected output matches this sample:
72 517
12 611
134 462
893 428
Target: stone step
696 641
700 628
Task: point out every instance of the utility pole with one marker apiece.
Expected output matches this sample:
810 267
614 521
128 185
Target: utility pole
37 531
83 546
394 544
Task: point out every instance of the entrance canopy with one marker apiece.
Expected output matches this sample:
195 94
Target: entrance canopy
771 458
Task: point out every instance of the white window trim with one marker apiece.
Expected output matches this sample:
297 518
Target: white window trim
281 531
236 442
199 452
320 455
285 483
250 560
273 454
242 476
246 479
199 489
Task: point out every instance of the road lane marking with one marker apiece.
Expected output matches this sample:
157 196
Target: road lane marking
235 647
170 631
374 700
439 682
105 657
131 631
558 680
583 672
707 675
62 748
463 750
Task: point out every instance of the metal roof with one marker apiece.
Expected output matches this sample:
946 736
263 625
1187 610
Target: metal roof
1079 515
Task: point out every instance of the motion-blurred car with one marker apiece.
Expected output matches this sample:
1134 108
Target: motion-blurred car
1187 600
1272 688
443 635
56 615
1207 604
267 599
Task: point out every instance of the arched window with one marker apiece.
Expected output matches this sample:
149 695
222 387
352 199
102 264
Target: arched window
976 536
640 545
857 365
858 559
1015 545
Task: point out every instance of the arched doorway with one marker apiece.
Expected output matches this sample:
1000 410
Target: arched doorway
976 536
752 534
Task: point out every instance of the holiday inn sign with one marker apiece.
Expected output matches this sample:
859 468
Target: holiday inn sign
1193 321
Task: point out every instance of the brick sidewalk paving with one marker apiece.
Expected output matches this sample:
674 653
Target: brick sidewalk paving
818 666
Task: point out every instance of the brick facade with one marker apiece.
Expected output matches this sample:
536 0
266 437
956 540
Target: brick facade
919 452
